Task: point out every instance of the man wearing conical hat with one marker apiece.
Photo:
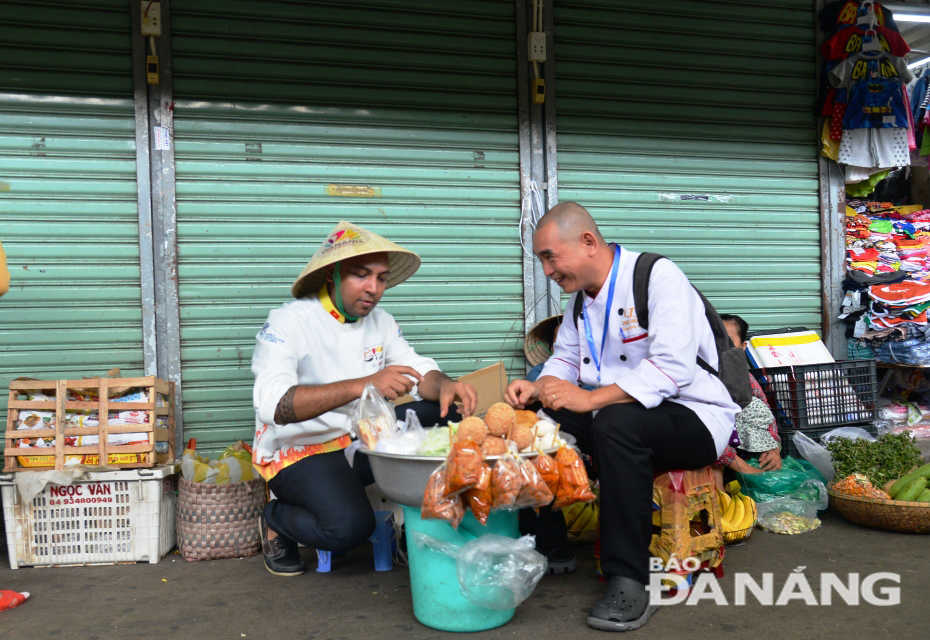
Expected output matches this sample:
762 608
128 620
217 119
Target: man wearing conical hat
313 358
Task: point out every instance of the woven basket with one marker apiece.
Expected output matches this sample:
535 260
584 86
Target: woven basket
219 520
893 515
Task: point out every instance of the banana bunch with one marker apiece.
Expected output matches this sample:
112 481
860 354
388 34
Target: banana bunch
738 511
581 520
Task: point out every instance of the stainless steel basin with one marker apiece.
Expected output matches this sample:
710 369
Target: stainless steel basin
403 478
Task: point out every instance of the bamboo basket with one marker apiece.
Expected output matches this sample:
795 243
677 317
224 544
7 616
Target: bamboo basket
217 521
891 515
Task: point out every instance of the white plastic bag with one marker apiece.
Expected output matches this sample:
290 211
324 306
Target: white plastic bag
846 432
816 454
406 440
796 512
499 572
373 417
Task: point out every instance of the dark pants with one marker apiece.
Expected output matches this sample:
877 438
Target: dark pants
320 501
631 444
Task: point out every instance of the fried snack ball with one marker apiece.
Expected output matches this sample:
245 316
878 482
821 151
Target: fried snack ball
473 429
523 436
526 418
499 418
494 446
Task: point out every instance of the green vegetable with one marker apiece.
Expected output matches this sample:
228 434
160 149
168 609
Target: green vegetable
889 457
897 487
436 442
911 491
924 496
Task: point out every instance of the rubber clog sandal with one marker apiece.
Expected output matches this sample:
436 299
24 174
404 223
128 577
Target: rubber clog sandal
624 606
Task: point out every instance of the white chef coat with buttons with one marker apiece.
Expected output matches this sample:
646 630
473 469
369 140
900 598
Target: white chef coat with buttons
301 343
652 367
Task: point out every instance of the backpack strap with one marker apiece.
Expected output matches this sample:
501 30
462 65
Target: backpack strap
579 302
642 271
641 274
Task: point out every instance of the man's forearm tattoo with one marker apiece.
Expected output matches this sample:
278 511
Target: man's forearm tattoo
285 412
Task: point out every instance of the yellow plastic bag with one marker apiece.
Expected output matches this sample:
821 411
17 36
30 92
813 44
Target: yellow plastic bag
829 148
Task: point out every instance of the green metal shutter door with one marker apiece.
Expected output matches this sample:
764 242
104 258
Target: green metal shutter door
274 101
703 100
68 199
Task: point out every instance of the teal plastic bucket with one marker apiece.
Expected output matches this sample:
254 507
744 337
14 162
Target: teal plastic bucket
437 599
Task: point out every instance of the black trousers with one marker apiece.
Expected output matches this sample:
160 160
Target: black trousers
320 501
630 444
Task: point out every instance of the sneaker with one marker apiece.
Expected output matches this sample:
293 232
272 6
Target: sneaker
561 561
281 556
624 607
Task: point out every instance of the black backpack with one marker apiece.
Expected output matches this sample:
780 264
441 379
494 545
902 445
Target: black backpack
734 367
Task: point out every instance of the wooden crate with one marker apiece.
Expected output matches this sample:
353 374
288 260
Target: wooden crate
103 405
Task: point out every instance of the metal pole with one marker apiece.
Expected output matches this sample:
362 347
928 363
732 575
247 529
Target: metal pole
165 221
144 188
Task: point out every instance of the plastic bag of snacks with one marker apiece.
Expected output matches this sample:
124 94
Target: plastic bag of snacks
373 417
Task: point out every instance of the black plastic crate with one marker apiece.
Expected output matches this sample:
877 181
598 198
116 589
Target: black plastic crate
787 437
815 396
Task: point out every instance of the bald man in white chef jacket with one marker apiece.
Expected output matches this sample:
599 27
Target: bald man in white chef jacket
652 409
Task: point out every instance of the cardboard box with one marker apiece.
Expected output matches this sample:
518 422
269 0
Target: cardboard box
490 383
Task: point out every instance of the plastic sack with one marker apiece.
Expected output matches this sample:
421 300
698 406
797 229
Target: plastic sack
770 485
408 438
499 572
479 497
235 465
815 453
373 417
846 432
493 571
796 512
196 468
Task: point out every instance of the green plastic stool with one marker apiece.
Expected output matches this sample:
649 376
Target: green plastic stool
437 598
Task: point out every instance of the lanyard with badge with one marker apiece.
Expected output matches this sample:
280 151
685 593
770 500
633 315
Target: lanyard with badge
598 355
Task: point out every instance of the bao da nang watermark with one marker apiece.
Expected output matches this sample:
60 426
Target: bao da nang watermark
880 589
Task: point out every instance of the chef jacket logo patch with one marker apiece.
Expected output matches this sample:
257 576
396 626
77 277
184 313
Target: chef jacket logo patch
341 238
629 321
374 354
267 335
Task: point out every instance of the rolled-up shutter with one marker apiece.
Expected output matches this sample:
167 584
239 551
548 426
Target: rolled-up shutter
688 129
68 198
398 116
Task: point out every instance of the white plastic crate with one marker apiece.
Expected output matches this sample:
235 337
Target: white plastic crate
114 516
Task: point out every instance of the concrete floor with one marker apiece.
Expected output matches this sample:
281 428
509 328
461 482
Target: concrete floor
238 598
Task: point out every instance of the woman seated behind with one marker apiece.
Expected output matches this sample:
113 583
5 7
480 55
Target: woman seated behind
755 425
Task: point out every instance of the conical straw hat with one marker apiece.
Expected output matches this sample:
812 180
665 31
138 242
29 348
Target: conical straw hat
347 241
538 342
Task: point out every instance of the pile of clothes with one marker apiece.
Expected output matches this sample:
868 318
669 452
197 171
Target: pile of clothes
869 124
888 280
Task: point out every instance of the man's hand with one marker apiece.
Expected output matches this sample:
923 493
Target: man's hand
558 394
452 390
520 393
770 460
392 382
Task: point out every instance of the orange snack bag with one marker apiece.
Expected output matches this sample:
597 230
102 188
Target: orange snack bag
436 505
479 497
574 485
548 469
463 467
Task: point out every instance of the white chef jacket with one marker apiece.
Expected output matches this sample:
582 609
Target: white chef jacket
652 367
301 343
